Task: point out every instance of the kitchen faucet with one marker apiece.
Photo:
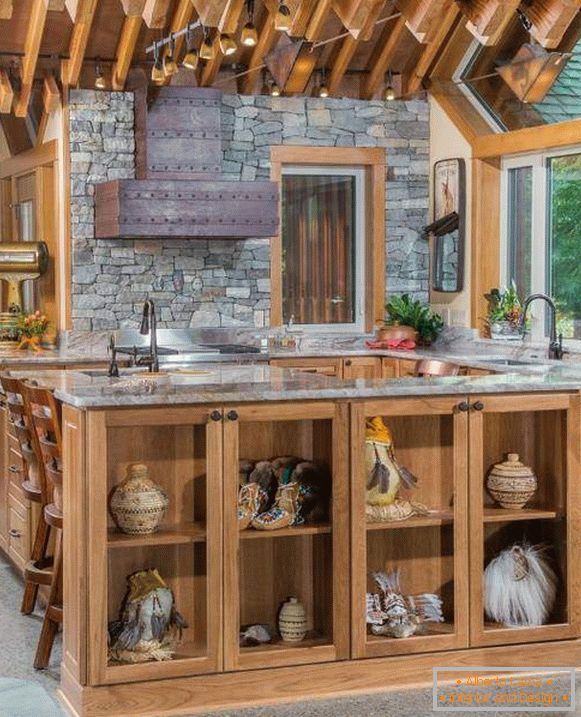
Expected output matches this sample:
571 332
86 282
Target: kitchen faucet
149 326
555 342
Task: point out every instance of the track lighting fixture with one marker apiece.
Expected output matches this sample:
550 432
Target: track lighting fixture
207 48
269 86
100 81
282 19
192 57
227 45
249 35
389 92
274 89
170 66
323 90
157 74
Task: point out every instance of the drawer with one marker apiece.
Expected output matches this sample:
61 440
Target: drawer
18 531
327 367
15 467
407 368
13 443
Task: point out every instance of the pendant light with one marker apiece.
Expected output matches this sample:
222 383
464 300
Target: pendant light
157 75
389 92
249 35
191 58
323 90
170 66
207 48
100 81
274 89
227 45
282 19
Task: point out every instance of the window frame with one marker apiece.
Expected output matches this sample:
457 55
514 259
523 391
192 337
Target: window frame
372 160
358 173
540 269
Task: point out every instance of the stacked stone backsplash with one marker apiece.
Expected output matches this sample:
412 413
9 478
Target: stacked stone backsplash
226 282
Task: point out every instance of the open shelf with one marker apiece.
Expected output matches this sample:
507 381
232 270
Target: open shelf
504 515
315 529
428 629
311 640
435 518
180 534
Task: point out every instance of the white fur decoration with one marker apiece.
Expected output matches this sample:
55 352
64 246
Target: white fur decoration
519 586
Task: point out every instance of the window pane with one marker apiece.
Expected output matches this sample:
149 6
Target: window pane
564 241
318 242
520 185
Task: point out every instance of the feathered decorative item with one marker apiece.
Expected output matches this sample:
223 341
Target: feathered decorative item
397 615
149 627
385 477
520 586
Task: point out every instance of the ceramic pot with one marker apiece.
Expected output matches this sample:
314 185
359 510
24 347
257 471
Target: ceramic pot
138 504
396 332
292 621
505 331
511 483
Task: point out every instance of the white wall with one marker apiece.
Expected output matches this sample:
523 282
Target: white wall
446 142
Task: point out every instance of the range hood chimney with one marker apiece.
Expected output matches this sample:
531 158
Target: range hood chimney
179 191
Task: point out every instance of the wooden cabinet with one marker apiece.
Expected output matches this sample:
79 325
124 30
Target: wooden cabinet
327 367
362 367
389 368
4 481
406 368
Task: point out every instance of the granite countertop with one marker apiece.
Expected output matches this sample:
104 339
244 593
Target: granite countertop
222 383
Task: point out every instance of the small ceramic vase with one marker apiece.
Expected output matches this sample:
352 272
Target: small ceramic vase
138 504
292 621
511 483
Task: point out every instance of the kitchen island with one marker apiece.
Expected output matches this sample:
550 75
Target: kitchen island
194 428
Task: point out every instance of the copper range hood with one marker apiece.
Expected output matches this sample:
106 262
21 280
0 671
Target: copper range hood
179 191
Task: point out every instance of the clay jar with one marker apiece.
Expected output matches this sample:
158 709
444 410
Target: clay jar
292 621
138 504
511 483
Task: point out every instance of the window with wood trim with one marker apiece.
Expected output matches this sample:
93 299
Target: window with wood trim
328 260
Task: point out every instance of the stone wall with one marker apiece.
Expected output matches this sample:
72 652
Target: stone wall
226 283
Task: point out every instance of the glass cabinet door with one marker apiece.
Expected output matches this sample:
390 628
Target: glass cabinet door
524 512
286 539
409 526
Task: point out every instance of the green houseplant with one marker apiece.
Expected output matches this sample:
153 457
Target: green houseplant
405 311
504 313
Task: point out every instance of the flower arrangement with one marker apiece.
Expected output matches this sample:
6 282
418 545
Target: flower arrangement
31 328
504 312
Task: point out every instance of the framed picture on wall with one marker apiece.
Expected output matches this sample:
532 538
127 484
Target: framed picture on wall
447 230
449 187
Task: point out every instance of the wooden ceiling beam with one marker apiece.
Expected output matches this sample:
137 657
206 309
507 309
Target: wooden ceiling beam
317 21
301 11
183 14
36 23
155 13
55 5
423 17
6 9
51 96
266 39
551 19
382 58
82 12
6 93
211 68
223 14
488 19
431 51
354 14
127 42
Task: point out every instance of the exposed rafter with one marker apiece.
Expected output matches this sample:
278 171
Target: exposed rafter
317 20
6 93
266 39
301 11
423 17
6 9
551 19
155 13
51 96
183 14
210 70
126 45
354 14
36 23
488 19
382 57
82 13
55 5
430 51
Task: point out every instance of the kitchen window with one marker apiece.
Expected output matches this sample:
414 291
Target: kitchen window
323 242
542 234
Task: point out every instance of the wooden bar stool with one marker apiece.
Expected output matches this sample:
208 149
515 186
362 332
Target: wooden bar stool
38 570
46 418
433 367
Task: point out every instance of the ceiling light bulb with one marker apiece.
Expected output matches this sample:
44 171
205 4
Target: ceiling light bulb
389 94
249 36
191 59
227 45
100 81
207 48
274 90
323 91
282 20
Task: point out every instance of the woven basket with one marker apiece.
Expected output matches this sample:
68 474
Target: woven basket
138 504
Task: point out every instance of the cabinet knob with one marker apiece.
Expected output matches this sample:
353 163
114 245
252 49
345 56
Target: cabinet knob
478 405
14 533
14 469
216 416
232 415
464 406
348 362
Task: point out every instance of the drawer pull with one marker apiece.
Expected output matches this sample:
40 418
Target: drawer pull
348 362
478 406
216 416
14 533
464 406
232 416
14 469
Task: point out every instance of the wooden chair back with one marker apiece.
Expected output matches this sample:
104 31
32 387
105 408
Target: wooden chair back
45 414
33 479
433 367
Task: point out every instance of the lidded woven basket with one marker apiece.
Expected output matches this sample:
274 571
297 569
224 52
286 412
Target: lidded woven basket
511 483
138 504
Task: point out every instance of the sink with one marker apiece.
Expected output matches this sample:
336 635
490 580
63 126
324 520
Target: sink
509 362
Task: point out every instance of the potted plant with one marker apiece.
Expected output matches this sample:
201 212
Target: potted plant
410 319
504 313
31 330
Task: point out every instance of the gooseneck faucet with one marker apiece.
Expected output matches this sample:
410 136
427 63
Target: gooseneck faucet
149 326
555 342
